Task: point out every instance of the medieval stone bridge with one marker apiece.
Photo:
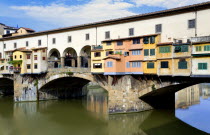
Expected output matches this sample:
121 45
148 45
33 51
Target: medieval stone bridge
126 93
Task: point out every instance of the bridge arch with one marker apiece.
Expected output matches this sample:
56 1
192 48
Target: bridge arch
70 57
63 86
54 58
85 55
6 86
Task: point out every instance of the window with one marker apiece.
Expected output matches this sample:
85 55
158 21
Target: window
109 53
146 40
7 67
136 64
152 52
152 40
119 43
165 49
126 53
97 65
136 41
198 48
136 52
5 46
39 42
202 66
109 64
107 34
150 65
182 65
108 43
146 52
20 56
43 50
43 58
28 66
207 48
87 37
7 32
131 31
26 43
69 39
35 57
164 64
35 66
53 40
191 23
183 48
28 56
15 56
15 45
127 64
158 28
97 54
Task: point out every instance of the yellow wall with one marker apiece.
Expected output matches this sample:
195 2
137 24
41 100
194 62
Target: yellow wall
149 70
164 55
181 72
22 66
165 71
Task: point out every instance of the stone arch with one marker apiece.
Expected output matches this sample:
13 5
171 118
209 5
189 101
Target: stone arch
63 86
54 60
85 56
70 57
6 86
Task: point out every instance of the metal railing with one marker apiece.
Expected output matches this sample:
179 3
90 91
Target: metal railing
201 39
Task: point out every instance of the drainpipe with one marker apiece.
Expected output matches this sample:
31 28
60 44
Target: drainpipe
196 17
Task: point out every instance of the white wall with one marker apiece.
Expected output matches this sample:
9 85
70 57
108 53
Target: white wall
174 26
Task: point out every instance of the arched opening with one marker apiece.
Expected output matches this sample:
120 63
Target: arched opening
63 88
85 54
70 57
54 60
6 87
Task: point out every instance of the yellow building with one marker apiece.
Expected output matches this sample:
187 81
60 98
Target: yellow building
149 47
97 56
22 31
164 59
182 59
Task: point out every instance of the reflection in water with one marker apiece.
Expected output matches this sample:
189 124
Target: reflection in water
192 106
71 117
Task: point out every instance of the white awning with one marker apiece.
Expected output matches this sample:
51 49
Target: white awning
1 66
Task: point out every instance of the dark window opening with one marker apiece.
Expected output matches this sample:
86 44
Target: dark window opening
164 64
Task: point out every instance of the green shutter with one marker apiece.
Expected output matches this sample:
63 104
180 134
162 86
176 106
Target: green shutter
152 40
165 49
202 66
198 48
150 65
182 65
146 40
184 48
207 48
146 52
152 52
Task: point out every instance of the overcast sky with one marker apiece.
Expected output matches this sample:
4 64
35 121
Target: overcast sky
50 14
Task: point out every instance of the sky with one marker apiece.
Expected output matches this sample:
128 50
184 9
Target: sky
43 15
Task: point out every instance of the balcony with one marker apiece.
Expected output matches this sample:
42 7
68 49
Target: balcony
99 47
17 69
200 39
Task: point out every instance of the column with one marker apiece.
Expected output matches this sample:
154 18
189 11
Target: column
79 61
73 62
89 62
62 62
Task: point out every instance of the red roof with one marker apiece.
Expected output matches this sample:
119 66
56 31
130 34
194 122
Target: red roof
28 29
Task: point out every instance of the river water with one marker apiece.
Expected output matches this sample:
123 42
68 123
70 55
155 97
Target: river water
88 116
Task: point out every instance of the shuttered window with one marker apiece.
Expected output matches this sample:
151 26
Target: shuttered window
152 52
136 41
183 48
131 31
191 23
158 28
136 52
127 64
150 65
198 48
164 64
119 43
182 64
207 48
146 52
165 49
152 40
109 64
202 66
136 64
